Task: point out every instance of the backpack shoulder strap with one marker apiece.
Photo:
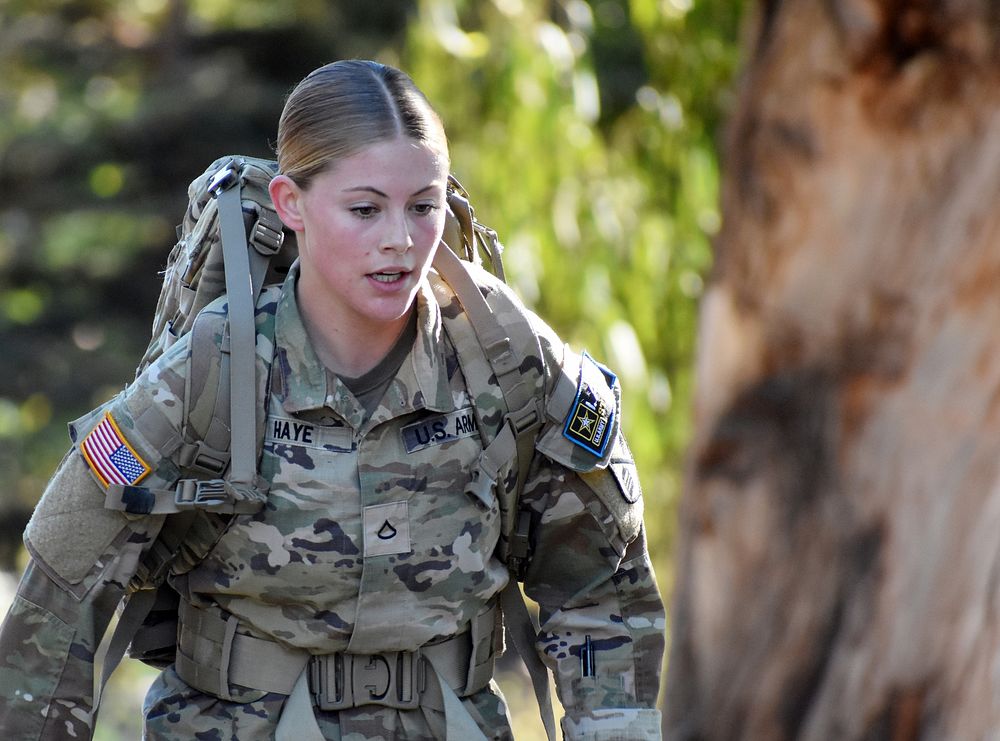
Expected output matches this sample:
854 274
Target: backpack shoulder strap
227 376
500 357
190 533
497 343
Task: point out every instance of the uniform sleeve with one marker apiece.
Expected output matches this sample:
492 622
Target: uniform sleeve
84 550
602 618
56 621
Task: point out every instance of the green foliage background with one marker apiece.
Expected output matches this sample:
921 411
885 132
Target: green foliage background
585 132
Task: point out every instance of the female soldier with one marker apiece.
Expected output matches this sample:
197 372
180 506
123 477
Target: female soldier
361 600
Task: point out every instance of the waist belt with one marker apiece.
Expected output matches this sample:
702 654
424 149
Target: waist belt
211 655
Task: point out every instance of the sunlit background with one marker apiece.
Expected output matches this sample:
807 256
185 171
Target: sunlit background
584 131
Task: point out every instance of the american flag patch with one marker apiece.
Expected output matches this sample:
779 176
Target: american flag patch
111 458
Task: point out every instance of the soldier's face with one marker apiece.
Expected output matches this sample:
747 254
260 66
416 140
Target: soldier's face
367 230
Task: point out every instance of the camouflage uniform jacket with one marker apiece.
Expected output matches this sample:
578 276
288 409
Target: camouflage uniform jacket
368 542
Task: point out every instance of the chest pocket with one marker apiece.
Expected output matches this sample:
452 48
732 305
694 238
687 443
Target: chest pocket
427 461
438 451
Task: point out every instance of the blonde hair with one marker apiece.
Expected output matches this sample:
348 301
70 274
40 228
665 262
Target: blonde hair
342 107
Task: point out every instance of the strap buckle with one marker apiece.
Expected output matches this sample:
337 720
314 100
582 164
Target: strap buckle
197 494
225 178
341 680
268 235
519 546
501 355
524 420
202 458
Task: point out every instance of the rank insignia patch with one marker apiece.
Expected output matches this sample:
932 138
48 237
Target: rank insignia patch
110 457
589 423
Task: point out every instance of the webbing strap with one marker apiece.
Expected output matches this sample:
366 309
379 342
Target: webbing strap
523 634
490 332
212 495
298 720
515 437
518 390
131 617
211 655
258 271
267 239
459 724
242 334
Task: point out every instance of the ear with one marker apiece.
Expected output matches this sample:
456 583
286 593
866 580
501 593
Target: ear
287 198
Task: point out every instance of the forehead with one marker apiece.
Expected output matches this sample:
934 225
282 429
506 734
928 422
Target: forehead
399 158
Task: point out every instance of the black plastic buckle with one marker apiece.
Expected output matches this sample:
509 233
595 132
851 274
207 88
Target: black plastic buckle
519 547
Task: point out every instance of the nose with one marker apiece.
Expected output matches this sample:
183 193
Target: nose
396 236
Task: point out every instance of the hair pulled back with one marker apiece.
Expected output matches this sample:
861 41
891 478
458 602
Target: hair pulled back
341 108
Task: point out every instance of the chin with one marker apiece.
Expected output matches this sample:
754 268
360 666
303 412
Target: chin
389 314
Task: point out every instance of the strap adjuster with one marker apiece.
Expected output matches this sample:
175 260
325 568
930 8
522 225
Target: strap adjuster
524 420
519 547
341 680
196 494
202 458
502 357
268 235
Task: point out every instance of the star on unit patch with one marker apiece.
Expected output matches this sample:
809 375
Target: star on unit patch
592 414
110 457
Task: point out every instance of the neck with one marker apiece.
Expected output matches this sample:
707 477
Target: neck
350 346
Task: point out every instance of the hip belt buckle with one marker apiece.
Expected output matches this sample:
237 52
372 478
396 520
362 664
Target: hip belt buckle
393 679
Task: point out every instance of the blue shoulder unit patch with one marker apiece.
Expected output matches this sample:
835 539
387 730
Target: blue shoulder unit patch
591 416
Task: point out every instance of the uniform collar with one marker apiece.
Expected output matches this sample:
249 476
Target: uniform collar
303 382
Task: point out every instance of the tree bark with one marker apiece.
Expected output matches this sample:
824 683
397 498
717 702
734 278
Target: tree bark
839 557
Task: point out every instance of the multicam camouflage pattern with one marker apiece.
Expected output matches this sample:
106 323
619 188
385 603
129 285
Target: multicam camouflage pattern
338 480
60 612
369 541
176 712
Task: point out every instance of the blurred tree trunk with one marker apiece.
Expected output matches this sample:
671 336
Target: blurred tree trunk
840 550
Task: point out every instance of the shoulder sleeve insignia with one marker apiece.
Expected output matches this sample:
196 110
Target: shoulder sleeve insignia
110 456
591 416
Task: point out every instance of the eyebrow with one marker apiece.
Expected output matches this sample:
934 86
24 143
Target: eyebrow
376 191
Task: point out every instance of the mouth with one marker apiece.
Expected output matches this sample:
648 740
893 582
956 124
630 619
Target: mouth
390 278
386 277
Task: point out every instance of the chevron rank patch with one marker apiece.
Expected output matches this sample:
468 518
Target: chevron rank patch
590 418
110 457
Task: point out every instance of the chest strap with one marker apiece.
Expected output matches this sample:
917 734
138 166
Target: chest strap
211 655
